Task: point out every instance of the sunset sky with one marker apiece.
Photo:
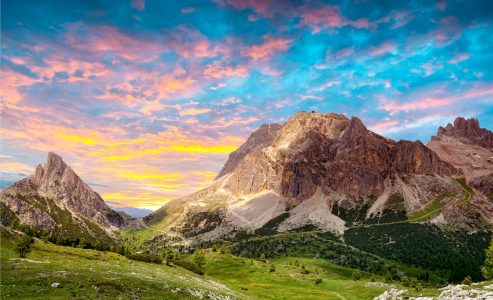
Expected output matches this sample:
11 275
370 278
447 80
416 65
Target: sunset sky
145 99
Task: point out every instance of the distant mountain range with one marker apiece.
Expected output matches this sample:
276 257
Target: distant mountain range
134 212
321 171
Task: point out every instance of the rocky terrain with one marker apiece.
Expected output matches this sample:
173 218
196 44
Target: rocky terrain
465 145
261 138
55 199
321 170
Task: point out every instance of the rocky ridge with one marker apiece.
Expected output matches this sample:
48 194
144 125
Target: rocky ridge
55 196
261 138
326 171
466 146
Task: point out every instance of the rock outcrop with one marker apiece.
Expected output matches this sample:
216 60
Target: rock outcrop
466 146
322 170
56 199
261 138
468 130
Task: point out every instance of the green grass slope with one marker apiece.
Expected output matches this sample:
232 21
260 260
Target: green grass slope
90 274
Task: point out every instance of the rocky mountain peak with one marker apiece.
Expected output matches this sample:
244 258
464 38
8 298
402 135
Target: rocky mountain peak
294 131
261 138
57 180
467 130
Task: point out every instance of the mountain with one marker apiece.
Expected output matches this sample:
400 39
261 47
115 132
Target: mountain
56 200
466 146
323 171
261 138
134 212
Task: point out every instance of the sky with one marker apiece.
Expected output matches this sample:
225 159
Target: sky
145 99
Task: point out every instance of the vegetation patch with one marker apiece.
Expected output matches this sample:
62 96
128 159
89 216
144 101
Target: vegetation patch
459 252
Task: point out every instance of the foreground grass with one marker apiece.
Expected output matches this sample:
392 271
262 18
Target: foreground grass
89 274
293 278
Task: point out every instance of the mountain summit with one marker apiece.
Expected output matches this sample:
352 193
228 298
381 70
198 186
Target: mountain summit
325 171
55 199
465 145
468 130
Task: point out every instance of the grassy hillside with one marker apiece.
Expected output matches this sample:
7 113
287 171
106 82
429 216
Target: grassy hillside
90 274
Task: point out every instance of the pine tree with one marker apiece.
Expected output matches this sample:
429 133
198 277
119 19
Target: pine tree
487 268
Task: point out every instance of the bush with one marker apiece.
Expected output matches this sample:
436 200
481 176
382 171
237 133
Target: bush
272 268
199 258
146 258
169 255
23 245
318 281
224 250
357 275
419 287
467 280
189 266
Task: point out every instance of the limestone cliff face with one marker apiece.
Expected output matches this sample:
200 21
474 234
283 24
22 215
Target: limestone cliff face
466 146
261 138
468 130
317 169
56 198
332 152
414 157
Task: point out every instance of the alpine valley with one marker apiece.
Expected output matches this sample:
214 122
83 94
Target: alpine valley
319 207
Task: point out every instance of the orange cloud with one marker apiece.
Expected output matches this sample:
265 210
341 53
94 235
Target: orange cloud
194 111
267 49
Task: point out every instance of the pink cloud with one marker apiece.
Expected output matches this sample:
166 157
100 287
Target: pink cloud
218 70
318 19
267 49
362 23
139 4
425 103
385 125
459 58
344 53
478 92
382 49
330 16
188 10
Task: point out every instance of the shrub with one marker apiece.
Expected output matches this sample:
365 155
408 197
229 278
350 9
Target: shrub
146 258
169 255
467 280
272 268
419 287
199 258
318 281
189 266
357 275
224 250
23 245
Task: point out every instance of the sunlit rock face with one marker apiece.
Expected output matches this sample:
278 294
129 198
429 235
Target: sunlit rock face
261 138
56 198
316 170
